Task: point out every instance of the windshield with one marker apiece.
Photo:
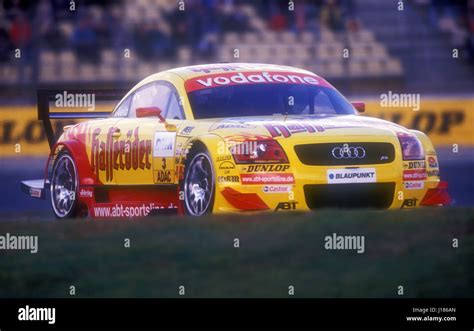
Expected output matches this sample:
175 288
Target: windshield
267 99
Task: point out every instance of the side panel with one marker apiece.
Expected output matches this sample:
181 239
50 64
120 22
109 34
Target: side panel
129 147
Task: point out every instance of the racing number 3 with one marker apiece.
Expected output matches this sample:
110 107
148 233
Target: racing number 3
163 152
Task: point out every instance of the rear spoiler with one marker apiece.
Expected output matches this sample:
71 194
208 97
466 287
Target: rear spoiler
37 188
45 96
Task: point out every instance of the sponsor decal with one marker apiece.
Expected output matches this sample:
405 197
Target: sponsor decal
129 209
286 206
86 192
414 174
164 176
432 173
228 124
409 203
414 165
124 154
164 144
252 77
276 189
267 168
181 154
35 192
205 68
288 129
356 175
187 130
348 152
226 165
432 162
228 179
223 158
264 178
179 173
417 185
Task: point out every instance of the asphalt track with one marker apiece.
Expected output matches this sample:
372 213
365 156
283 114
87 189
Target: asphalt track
456 168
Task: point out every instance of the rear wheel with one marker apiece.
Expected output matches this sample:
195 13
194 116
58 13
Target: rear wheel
64 183
199 184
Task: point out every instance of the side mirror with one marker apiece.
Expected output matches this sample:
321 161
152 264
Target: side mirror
150 112
359 106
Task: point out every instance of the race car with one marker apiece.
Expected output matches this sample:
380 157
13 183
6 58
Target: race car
238 137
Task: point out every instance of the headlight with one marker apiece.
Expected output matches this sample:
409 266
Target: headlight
412 149
259 151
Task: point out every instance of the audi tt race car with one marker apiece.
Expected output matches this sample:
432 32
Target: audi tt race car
233 138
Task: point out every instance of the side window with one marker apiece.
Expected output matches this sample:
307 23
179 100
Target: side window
122 109
174 109
153 95
322 104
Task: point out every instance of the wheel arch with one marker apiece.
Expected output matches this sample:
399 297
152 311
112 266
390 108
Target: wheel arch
78 152
211 142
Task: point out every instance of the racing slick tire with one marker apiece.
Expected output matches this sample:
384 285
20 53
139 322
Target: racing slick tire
63 186
199 183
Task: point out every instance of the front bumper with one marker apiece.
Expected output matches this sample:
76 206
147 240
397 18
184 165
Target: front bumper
306 187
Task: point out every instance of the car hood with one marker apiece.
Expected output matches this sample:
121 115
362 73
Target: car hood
280 126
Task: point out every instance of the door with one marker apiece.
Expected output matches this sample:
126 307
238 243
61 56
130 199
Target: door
146 145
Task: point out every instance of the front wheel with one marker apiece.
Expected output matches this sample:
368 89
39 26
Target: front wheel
64 182
199 184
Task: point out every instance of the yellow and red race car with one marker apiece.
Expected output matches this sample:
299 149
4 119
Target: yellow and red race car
234 138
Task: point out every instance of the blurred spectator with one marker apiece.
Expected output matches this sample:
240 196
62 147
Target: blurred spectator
120 37
5 45
49 32
53 38
151 42
300 17
85 41
469 43
331 16
207 47
14 7
20 32
20 37
202 19
455 18
232 18
278 21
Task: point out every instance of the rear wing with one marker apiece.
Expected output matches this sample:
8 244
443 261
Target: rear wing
74 104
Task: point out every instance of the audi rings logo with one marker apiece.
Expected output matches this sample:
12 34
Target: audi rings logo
346 152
